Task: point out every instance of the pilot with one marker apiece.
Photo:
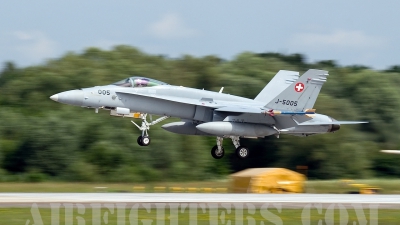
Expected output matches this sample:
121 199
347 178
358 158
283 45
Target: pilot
140 82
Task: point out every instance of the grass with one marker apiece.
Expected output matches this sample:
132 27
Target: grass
11 216
391 186
98 187
388 186
18 216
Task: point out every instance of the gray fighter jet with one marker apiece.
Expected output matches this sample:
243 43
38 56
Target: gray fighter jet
284 106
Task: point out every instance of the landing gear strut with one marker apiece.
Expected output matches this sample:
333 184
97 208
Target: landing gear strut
144 139
218 152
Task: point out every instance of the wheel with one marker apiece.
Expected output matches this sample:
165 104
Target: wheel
242 152
217 154
145 140
139 141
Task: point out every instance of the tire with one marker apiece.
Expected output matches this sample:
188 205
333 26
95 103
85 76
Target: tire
242 152
145 140
139 141
215 154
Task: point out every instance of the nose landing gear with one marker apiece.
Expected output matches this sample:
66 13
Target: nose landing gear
144 139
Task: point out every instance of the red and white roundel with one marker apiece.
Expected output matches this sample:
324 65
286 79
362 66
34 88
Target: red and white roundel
299 87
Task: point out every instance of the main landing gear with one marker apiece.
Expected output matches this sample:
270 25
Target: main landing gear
144 139
218 151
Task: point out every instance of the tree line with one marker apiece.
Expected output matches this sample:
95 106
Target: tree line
41 139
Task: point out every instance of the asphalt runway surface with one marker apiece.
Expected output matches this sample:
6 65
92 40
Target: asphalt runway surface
286 200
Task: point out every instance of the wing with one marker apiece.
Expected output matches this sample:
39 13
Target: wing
202 102
241 109
222 106
331 123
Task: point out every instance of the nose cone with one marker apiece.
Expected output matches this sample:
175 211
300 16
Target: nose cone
73 97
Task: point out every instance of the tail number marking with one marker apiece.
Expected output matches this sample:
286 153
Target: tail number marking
286 102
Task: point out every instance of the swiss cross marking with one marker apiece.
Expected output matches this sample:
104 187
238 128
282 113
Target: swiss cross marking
299 87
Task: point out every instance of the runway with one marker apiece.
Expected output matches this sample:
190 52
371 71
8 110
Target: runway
286 200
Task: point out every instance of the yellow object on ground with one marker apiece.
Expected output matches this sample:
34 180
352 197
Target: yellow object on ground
139 189
159 189
207 190
177 189
221 190
267 180
370 190
191 190
366 189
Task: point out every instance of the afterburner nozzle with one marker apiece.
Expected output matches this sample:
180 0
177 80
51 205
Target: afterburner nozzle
335 127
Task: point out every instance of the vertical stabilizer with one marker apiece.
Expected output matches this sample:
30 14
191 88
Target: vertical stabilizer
301 94
278 83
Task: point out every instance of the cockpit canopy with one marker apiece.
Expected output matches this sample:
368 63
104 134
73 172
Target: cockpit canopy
139 82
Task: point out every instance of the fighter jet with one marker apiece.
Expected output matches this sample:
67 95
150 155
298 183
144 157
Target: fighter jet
284 106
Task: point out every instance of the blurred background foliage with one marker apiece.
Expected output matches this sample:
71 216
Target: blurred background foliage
44 140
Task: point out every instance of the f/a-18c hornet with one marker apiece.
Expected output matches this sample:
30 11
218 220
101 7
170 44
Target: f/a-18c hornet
284 106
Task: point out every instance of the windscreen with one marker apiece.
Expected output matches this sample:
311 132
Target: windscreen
139 82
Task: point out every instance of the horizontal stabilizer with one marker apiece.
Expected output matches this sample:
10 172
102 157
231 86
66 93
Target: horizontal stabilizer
331 123
391 151
292 113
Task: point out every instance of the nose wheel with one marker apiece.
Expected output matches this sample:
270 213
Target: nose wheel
144 139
